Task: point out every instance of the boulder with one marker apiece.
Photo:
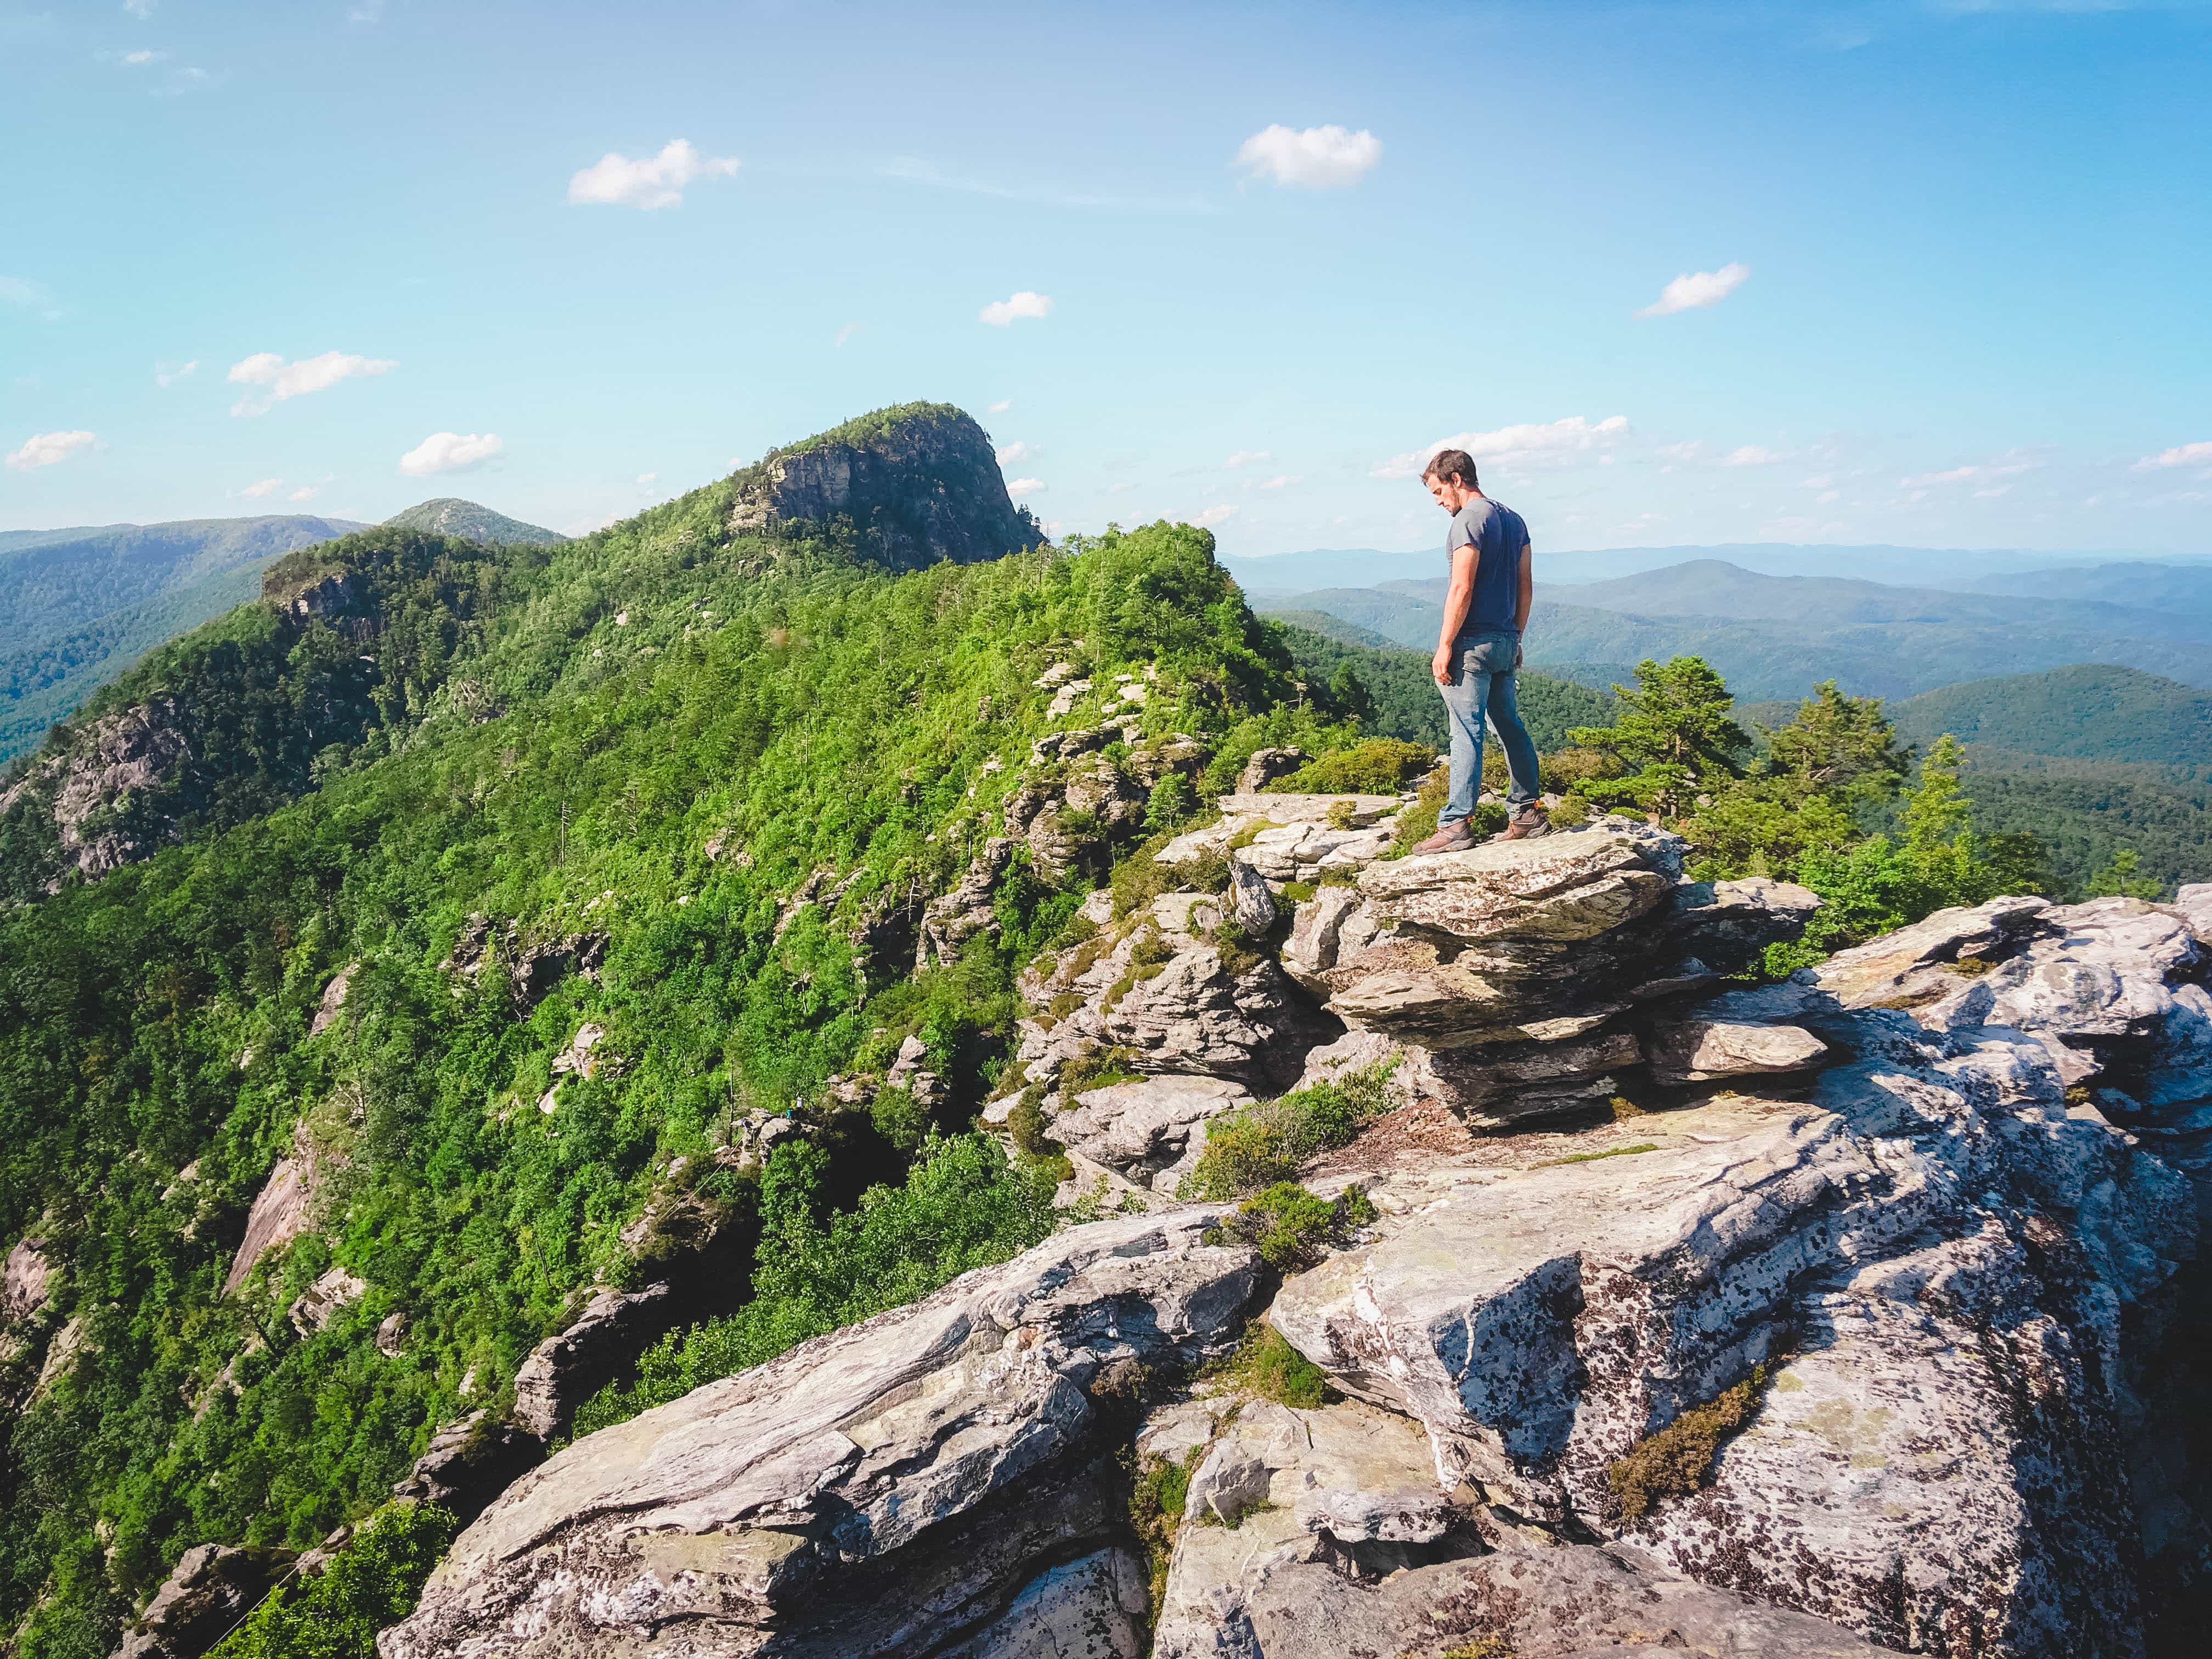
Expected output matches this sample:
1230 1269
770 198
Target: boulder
1148 1132
468 1462
564 1371
1919 963
334 1000
1249 901
875 1489
212 1587
1266 766
324 1300
1705 1050
26 1280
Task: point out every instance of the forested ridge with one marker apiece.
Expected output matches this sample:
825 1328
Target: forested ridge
741 763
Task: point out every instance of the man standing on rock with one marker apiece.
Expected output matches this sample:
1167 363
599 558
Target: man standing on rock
1478 649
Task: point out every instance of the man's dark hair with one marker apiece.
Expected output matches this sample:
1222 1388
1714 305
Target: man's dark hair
1450 463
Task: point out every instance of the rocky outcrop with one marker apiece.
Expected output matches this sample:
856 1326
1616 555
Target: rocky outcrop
917 485
25 1278
468 1462
281 1210
872 1490
533 967
601 1345
105 790
1857 1329
212 1586
324 1300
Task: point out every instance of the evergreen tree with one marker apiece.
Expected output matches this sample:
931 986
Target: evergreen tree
1673 730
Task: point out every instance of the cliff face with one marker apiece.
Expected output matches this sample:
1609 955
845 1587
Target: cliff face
919 485
1905 1244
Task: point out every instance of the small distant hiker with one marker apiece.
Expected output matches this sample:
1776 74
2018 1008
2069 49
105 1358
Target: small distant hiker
1478 649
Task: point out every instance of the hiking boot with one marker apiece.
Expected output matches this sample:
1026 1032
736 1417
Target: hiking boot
1526 825
1449 838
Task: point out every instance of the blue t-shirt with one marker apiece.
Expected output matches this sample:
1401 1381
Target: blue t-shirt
1497 534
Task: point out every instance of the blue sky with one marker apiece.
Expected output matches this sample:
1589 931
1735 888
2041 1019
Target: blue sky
1948 263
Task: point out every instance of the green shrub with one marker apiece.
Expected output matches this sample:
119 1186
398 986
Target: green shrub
1266 1367
1025 1124
1380 766
374 1581
1291 1227
1270 1142
1679 1459
899 1118
961 1206
1170 803
1095 1070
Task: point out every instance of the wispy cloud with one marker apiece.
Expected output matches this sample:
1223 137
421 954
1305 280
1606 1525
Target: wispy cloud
1213 515
168 374
1001 313
1243 457
1694 288
30 296
1000 407
908 170
1015 454
46 448
304 493
2180 455
846 333
1751 455
279 380
450 452
1280 480
1555 441
650 182
141 9
1025 486
1312 158
265 487
140 59
2010 465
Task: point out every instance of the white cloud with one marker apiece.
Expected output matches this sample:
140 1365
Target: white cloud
1693 289
647 480
1826 496
141 9
48 448
1991 495
1687 451
656 181
846 333
1818 481
450 452
280 380
168 374
304 493
2180 455
1750 455
1316 158
1243 457
1025 486
15 291
138 59
2008 465
1557 440
266 487
1280 481
1015 454
1213 515
1000 312
1000 407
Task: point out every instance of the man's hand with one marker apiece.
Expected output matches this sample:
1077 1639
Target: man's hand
1441 666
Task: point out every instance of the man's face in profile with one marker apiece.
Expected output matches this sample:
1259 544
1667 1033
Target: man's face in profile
1449 494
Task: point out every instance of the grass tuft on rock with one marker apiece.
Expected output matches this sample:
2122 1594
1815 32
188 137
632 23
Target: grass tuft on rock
1266 1367
1265 1144
1292 1228
1679 1459
1380 766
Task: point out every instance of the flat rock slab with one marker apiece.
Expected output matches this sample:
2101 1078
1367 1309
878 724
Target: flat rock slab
1705 1050
1361 810
881 1489
1561 888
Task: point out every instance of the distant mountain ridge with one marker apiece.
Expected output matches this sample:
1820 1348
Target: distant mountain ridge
1775 636
79 605
470 521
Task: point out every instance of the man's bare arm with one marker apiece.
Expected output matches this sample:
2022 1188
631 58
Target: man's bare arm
1527 587
1456 600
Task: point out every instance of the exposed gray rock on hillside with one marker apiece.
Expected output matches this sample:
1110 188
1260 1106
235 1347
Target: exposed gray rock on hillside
1936 1241
921 483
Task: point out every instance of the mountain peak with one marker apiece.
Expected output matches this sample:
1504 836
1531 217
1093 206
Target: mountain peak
468 521
919 482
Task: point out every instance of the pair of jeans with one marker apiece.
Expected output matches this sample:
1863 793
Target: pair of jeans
1482 682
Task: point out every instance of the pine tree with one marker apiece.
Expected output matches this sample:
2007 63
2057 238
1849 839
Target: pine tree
1675 729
